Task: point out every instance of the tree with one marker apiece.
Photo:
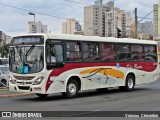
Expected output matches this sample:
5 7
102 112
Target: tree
4 50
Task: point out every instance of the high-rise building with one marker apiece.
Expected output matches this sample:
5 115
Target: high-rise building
8 39
146 28
4 39
155 21
71 26
129 24
94 19
119 22
159 19
98 20
68 27
36 27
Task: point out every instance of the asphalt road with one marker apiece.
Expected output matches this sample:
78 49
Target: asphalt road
143 98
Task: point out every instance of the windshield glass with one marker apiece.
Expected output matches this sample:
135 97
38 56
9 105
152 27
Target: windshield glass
26 59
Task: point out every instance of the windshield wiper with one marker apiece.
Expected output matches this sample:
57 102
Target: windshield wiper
30 50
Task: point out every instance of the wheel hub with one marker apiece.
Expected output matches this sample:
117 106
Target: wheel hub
72 88
130 83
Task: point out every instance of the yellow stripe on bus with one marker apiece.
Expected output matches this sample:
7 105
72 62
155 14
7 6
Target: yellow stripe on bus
104 71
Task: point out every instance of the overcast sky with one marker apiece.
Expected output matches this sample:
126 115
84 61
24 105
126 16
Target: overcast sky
14 21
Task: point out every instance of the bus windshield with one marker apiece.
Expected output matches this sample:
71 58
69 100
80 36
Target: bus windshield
26 59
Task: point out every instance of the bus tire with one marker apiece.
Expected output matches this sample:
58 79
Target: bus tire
130 82
41 95
71 89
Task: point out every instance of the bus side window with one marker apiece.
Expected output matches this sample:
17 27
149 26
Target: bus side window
73 52
55 53
58 50
48 53
137 52
150 53
108 51
123 52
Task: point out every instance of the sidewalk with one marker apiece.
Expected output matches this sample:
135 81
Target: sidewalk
5 93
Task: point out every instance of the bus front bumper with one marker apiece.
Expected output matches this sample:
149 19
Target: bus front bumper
27 89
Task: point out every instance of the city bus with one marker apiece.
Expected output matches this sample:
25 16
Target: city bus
81 63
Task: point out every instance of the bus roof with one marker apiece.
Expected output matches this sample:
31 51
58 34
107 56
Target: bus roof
92 38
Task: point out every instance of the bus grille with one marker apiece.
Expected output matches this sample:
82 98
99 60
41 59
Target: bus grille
25 82
24 77
23 87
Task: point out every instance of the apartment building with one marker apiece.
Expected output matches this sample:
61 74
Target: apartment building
99 20
145 28
119 22
37 27
94 18
4 39
155 21
71 26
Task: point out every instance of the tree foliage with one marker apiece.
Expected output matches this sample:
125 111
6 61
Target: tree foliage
4 50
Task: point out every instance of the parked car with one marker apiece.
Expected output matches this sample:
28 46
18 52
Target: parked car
4 76
4 61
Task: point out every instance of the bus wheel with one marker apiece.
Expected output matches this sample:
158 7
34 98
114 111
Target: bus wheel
72 89
130 82
42 95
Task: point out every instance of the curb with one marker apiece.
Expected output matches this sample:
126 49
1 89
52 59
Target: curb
15 95
4 89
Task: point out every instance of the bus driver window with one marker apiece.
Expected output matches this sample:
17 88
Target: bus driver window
50 54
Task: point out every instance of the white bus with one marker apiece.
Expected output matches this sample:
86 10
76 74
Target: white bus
80 63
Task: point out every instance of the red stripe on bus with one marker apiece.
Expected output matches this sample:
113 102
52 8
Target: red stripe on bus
144 66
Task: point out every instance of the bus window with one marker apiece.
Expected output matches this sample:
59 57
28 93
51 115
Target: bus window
108 52
150 53
50 54
137 52
54 56
96 52
90 52
73 51
58 50
123 52
55 53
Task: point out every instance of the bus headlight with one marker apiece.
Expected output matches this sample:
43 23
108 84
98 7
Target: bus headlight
38 81
13 81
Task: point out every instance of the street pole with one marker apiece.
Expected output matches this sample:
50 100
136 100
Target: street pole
116 27
34 26
135 23
34 19
113 21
